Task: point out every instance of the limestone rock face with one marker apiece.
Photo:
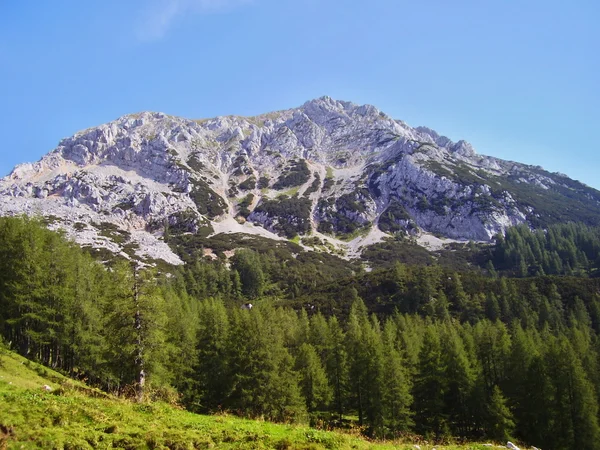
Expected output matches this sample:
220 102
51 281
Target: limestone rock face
329 167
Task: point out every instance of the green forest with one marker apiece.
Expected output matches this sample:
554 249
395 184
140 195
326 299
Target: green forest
506 350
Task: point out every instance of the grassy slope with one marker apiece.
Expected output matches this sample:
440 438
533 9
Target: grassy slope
75 416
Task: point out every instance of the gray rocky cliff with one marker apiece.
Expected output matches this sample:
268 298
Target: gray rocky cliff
330 168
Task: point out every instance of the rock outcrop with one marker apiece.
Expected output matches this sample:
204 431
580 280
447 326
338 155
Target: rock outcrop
331 168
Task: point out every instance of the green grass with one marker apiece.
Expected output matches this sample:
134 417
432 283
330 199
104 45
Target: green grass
361 231
74 416
290 192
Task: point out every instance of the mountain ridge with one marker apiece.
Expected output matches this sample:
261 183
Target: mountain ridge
347 174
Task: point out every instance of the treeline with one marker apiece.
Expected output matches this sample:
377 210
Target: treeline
439 293
561 249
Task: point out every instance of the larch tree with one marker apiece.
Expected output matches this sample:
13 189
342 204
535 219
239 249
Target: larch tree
429 387
136 329
313 379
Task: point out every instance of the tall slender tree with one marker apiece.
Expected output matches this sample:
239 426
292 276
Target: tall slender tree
429 387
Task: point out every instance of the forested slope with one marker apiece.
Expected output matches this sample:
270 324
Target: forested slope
445 354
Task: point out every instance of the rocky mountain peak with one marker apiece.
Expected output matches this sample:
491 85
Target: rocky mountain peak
346 174
327 108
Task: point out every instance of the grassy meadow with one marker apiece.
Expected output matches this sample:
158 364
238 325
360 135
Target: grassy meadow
74 416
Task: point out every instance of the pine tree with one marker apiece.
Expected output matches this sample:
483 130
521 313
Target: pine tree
357 358
263 381
456 294
181 335
135 329
337 366
429 387
493 348
499 423
374 373
533 412
459 382
397 398
492 308
313 379
575 406
491 270
26 289
211 371
248 264
83 319
319 337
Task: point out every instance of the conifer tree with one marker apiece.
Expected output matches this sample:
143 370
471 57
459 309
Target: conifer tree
248 264
493 348
499 423
430 388
492 308
263 381
26 289
374 374
83 319
337 366
397 398
135 329
313 379
319 337
357 358
459 382
211 371
575 406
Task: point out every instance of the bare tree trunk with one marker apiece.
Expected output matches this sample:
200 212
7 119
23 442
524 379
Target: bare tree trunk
139 360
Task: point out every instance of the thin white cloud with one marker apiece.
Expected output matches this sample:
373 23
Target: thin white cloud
159 16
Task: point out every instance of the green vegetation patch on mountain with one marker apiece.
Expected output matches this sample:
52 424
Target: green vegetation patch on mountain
394 218
392 250
296 174
207 201
183 221
374 171
113 232
287 215
314 187
263 182
195 163
562 200
248 184
241 166
289 270
341 215
244 204
458 172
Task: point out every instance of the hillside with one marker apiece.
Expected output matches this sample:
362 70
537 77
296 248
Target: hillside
447 355
334 176
72 415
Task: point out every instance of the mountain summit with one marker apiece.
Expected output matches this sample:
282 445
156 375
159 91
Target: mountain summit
347 174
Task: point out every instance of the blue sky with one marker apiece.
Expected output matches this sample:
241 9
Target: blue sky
518 79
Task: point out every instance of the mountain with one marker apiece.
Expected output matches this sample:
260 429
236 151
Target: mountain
347 175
